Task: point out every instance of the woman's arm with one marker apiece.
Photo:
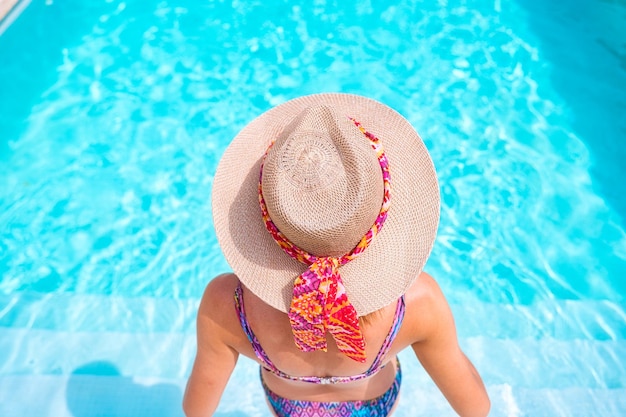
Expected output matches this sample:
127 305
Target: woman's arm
441 356
215 358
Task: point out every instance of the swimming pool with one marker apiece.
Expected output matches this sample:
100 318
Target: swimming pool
111 129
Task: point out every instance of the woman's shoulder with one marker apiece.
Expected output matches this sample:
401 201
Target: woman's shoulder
217 292
221 284
426 306
424 291
217 315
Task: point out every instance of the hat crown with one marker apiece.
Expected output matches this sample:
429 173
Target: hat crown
322 182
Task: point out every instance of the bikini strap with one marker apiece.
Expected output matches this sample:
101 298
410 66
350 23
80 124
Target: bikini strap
391 336
269 365
256 346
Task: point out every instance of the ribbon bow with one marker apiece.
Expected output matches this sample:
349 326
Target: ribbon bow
320 303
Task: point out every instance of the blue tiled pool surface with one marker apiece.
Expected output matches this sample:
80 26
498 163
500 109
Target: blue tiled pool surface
110 131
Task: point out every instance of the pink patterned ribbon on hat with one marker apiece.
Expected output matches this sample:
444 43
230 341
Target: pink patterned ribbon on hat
320 303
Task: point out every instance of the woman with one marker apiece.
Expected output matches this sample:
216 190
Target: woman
326 207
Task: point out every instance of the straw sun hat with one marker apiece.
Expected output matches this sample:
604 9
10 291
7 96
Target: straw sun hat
323 188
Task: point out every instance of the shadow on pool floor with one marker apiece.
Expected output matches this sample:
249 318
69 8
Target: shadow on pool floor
97 389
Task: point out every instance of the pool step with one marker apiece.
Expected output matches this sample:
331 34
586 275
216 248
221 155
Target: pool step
559 319
548 362
566 357
122 396
521 402
97 313
542 363
45 352
102 389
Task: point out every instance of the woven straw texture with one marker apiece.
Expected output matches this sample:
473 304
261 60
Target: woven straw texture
325 202
322 183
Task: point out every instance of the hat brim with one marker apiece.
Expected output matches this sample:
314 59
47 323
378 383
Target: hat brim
396 256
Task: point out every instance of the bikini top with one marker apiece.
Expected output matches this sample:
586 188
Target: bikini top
269 365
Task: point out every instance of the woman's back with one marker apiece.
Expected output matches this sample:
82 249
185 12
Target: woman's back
273 331
320 368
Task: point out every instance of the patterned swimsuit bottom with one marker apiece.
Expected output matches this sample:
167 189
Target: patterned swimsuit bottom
378 407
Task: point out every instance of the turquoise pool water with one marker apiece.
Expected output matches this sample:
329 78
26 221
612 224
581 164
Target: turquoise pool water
113 116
